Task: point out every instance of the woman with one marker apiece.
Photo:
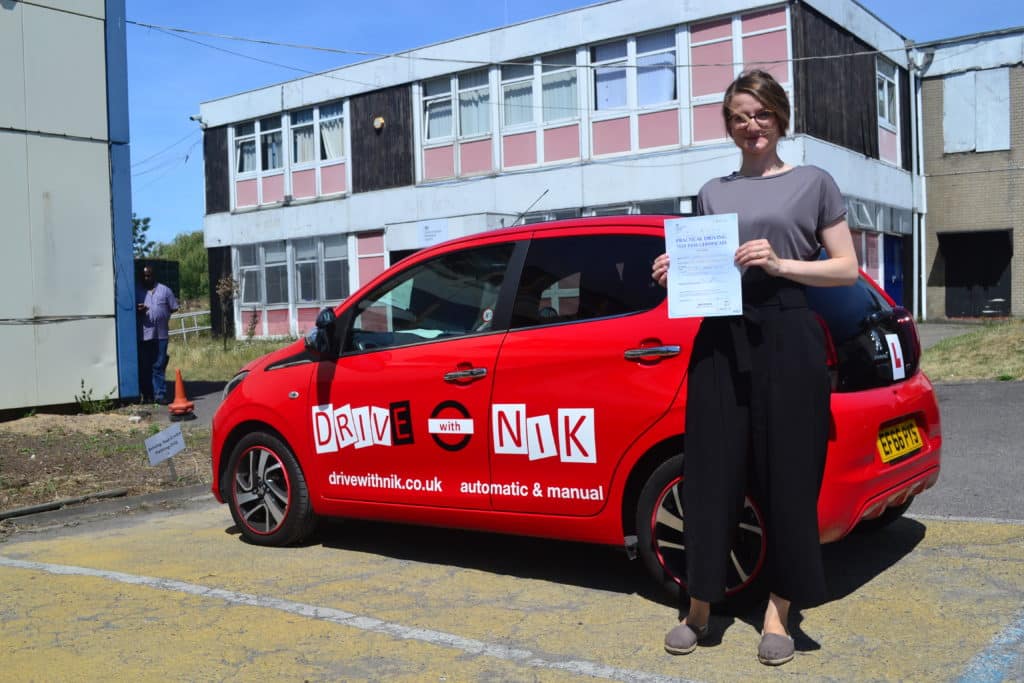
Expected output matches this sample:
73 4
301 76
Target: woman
758 387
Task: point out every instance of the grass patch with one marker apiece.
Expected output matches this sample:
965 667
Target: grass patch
994 351
203 358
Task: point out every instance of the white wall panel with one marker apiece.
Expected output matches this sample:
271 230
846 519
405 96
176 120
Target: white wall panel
69 352
18 363
12 73
958 113
65 73
15 255
69 209
92 8
992 97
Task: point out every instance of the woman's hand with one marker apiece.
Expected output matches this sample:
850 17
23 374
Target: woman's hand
759 253
659 271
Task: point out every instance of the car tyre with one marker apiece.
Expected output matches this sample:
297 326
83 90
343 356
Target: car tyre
886 518
659 524
267 492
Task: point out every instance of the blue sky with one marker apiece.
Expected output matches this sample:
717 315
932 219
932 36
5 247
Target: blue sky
169 76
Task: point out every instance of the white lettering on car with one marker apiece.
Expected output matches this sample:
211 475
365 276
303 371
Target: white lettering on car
534 436
362 426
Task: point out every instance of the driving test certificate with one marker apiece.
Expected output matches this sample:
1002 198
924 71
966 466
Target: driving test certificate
703 280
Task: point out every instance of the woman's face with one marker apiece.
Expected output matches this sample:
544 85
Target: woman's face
753 127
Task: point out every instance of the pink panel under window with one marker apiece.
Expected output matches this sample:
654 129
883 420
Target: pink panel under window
888 150
768 51
708 123
659 129
372 243
719 28
475 157
252 319
273 189
307 318
611 136
304 184
870 264
766 19
562 143
245 193
332 179
278 323
438 162
519 150
369 268
711 79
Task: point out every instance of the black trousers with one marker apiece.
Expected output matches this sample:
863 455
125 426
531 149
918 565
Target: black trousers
757 419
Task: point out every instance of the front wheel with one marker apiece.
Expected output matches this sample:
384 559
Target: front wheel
267 493
661 543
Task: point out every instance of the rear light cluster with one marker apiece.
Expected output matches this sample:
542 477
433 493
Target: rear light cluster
865 360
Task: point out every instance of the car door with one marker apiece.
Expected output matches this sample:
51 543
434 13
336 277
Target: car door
401 415
591 360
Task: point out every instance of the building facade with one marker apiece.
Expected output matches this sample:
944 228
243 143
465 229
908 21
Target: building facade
973 130
68 310
316 185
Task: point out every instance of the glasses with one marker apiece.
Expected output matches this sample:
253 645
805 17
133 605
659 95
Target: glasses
741 120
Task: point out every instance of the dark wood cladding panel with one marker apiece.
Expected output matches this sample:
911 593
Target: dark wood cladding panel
835 98
382 159
906 120
218 260
218 170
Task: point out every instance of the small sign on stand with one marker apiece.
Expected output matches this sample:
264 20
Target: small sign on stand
162 445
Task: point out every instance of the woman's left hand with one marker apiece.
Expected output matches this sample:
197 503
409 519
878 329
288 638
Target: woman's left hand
759 253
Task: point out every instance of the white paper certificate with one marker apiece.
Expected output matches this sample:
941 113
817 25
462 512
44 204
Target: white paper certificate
703 280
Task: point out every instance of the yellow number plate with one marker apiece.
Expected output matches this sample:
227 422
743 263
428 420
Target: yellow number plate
899 440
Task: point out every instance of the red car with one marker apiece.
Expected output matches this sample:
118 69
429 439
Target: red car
529 381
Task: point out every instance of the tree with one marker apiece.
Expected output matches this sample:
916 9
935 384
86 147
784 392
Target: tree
227 291
141 244
188 250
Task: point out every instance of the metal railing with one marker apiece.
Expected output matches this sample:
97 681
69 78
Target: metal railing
188 322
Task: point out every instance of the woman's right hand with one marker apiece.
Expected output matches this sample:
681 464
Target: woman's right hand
659 271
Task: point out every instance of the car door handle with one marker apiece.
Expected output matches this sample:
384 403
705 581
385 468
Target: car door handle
472 373
651 352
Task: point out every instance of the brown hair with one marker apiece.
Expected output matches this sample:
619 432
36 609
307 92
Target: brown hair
762 86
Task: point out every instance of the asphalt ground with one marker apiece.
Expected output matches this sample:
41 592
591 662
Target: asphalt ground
163 587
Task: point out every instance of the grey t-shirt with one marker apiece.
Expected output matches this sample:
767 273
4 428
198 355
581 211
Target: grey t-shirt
788 209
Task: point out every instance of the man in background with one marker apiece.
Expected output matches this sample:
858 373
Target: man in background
154 304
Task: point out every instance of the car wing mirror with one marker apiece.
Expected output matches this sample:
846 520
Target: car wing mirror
321 340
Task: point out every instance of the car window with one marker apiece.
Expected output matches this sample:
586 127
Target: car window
569 279
845 309
452 295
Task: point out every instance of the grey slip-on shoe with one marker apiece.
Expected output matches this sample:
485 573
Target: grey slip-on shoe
775 649
683 638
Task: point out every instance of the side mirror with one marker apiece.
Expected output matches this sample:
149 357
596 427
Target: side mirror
321 339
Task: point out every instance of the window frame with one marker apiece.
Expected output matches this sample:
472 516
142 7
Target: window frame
887 89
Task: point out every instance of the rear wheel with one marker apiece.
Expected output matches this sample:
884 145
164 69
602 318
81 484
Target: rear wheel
267 492
659 526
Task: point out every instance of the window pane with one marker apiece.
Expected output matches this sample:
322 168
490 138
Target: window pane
512 71
277 284
305 282
245 151
270 123
305 250
892 105
245 129
438 86
656 41
302 144
659 206
250 286
518 103
301 117
474 112
270 147
439 119
656 78
558 60
602 53
331 139
473 79
248 255
451 295
559 96
330 111
887 68
609 88
335 246
579 278
274 252
335 280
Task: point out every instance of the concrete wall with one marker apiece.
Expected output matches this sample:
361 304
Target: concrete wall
969 192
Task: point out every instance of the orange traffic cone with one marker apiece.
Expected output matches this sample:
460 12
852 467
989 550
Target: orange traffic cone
180 408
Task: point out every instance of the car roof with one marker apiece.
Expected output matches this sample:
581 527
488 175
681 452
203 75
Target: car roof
580 224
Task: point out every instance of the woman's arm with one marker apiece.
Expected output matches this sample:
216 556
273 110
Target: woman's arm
839 269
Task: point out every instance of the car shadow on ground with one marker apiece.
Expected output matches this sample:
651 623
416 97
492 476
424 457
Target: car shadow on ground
849 563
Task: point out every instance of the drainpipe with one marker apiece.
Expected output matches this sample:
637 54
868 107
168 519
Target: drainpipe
914 63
